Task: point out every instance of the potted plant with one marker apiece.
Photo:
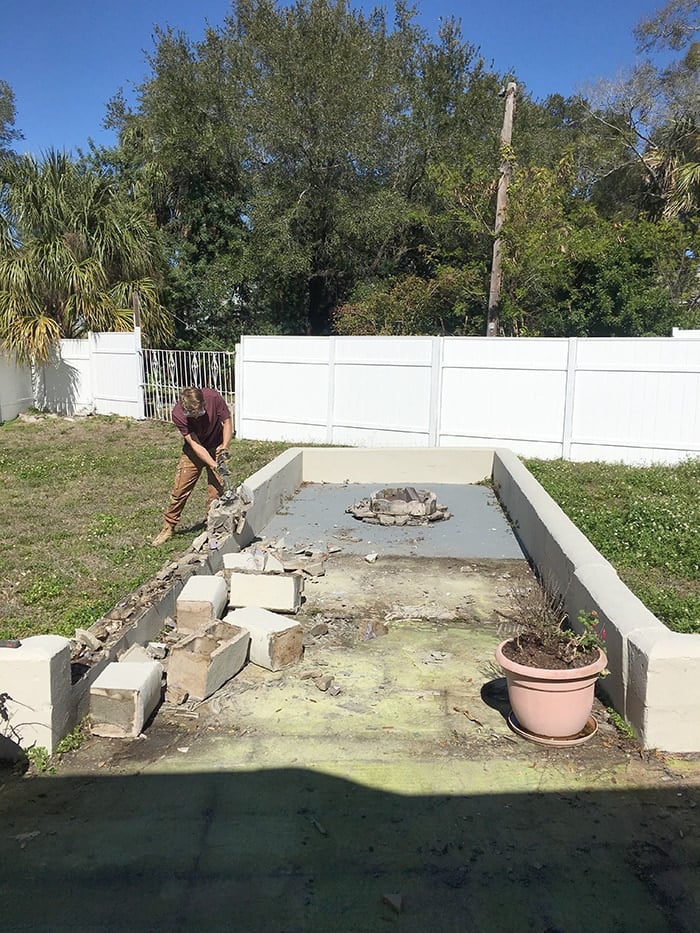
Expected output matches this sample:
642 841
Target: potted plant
551 670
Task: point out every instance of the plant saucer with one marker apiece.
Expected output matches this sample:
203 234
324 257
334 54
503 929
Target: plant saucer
588 731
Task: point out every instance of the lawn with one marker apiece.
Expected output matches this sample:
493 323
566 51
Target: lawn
645 521
81 500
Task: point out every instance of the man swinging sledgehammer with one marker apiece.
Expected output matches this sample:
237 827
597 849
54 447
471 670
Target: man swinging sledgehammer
204 420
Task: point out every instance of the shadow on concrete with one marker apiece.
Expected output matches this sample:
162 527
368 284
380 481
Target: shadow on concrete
295 850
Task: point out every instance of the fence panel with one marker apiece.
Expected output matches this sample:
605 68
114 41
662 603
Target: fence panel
167 372
16 393
635 400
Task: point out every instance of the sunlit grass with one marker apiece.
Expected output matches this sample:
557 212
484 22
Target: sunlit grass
645 521
81 501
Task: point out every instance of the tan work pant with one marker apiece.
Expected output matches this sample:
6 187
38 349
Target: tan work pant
188 472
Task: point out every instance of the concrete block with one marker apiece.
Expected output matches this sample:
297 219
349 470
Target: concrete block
36 682
280 593
202 601
275 641
124 696
202 662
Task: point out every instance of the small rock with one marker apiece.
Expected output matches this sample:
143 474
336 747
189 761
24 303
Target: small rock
314 568
323 683
395 901
157 650
335 690
321 628
175 695
370 558
371 628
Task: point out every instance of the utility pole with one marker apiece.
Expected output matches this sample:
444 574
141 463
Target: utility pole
501 204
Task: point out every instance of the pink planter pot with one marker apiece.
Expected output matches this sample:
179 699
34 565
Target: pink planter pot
551 703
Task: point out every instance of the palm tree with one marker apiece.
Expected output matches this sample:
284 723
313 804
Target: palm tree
73 250
674 160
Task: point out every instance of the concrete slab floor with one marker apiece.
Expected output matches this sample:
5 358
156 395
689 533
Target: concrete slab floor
276 807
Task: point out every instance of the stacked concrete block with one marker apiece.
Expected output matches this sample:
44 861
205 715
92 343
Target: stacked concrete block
278 592
201 602
201 663
123 697
35 684
275 641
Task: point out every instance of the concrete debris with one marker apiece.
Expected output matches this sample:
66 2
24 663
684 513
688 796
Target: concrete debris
403 506
321 628
335 690
156 650
371 628
175 695
87 639
323 682
200 542
310 675
370 558
425 613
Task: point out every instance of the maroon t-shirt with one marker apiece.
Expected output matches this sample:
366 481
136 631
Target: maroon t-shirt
209 428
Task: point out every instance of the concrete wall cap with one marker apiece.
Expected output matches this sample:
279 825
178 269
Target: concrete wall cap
36 648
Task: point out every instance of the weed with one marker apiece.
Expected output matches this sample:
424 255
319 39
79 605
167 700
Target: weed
622 726
74 739
40 759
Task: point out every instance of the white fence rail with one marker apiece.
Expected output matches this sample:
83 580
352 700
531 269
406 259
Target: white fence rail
635 400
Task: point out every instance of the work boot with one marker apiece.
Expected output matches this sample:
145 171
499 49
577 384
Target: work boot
165 534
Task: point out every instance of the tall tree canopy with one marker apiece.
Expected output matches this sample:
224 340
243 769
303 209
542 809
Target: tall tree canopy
314 167
73 249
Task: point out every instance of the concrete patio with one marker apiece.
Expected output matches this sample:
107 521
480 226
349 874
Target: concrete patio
402 802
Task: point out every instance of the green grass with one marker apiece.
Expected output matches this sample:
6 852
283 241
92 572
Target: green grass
80 501
645 521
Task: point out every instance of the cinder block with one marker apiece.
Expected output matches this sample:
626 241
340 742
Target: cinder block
275 641
36 681
201 602
124 696
280 593
202 662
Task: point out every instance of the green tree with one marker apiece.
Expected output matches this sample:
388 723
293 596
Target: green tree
73 249
8 133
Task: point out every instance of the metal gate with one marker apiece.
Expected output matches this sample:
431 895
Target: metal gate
167 372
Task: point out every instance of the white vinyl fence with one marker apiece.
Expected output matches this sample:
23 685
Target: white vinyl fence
635 400
16 393
100 373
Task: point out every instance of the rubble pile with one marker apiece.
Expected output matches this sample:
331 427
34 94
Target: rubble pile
403 506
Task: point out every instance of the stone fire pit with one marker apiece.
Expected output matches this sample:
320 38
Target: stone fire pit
403 506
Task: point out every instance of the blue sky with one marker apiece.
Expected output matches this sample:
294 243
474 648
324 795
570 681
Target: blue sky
65 59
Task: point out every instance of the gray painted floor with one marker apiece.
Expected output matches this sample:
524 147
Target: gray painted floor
478 527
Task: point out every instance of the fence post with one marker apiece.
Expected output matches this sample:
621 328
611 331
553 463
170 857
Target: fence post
435 390
569 397
331 390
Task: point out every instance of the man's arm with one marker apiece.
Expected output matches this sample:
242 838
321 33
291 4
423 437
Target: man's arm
227 434
201 452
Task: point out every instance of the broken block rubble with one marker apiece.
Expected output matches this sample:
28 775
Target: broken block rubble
202 662
275 641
